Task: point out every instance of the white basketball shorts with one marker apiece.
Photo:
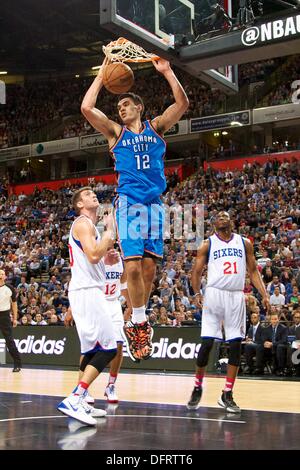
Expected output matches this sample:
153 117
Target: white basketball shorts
116 313
223 307
93 320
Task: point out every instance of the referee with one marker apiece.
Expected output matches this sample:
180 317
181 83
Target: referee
8 302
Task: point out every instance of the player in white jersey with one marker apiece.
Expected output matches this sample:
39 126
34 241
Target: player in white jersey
88 303
227 256
115 286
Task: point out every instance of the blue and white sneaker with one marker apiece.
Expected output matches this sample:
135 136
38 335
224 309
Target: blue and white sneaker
88 398
76 407
96 412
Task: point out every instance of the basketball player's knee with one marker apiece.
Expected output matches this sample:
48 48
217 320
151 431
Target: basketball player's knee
235 348
101 359
133 270
203 354
86 360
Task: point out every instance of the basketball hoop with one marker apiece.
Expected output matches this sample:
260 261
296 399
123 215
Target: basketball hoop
123 50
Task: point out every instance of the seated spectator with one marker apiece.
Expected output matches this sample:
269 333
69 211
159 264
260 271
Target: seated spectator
293 298
33 284
165 289
152 318
166 279
58 263
286 276
261 262
253 339
53 320
276 298
156 301
183 298
54 284
63 313
275 283
24 321
179 315
267 274
23 283
163 319
167 303
38 320
273 346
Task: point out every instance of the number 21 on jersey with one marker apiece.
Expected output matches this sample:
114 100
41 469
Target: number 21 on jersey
230 268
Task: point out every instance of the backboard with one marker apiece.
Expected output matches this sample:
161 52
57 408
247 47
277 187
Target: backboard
165 26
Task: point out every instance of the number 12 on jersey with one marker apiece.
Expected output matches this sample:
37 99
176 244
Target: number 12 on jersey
142 162
230 268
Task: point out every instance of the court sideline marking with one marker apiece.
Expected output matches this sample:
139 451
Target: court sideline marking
128 416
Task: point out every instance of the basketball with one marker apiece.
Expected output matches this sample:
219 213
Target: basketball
118 78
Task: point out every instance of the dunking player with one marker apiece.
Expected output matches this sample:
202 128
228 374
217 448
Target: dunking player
138 149
115 285
88 303
227 255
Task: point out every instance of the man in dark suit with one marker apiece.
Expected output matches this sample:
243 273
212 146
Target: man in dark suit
273 345
294 333
253 339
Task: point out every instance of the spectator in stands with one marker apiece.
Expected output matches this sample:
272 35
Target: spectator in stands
275 283
277 298
273 347
163 319
294 298
38 320
253 339
24 321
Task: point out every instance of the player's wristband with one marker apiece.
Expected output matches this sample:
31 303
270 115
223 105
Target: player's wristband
197 293
123 286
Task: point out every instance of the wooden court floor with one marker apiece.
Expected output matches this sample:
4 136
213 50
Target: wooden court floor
258 394
151 415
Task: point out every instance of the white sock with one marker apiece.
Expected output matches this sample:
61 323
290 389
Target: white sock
139 314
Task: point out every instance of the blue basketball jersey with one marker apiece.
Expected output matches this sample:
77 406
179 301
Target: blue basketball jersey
139 162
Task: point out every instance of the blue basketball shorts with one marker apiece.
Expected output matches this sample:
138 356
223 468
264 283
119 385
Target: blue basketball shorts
139 227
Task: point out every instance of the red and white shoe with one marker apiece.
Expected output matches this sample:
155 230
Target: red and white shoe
110 394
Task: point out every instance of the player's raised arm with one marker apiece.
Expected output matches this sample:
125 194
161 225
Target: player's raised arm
97 118
200 262
174 112
254 274
84 232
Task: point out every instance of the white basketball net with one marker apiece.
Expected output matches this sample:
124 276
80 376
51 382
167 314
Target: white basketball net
123 50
